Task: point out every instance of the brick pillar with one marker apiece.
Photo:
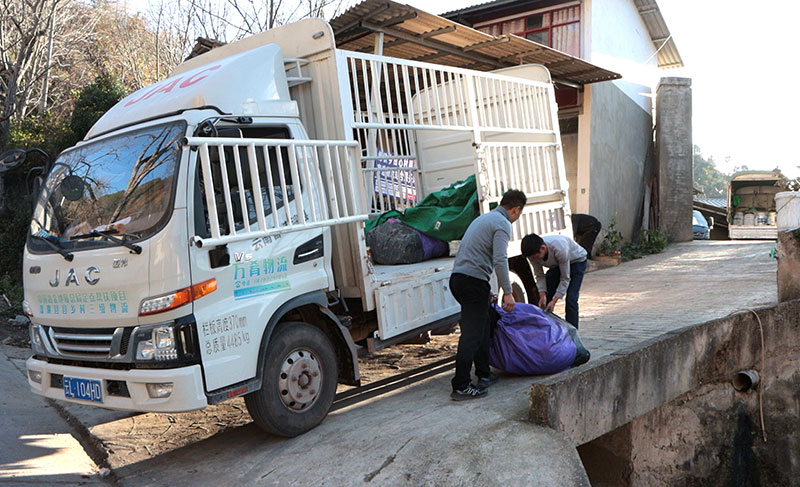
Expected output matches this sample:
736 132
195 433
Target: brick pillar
674 146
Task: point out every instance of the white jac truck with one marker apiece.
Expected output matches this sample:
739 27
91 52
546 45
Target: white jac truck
206 239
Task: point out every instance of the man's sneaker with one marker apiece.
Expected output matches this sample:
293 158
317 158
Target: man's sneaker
485 382
470 392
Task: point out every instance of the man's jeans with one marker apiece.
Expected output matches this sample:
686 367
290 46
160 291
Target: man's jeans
576 272
473 346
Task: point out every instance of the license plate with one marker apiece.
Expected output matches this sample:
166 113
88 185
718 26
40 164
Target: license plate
85 389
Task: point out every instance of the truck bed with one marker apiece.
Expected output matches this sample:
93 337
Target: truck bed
396 273
412 295
765 232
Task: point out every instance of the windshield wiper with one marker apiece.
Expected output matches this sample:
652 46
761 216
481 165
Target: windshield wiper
53 242
109 235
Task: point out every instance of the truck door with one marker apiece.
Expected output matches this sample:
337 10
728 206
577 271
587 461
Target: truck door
253 276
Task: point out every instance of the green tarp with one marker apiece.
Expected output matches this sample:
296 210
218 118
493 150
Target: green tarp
445 214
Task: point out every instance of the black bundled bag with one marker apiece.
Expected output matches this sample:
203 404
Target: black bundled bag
582 355
394 242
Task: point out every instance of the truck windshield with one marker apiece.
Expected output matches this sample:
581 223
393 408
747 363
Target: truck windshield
120 186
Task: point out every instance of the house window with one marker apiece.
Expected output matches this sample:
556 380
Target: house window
559 28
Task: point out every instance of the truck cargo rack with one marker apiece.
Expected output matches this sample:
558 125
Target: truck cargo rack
321 180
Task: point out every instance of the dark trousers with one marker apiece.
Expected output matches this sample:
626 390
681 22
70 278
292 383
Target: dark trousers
576 272
473 346
585 229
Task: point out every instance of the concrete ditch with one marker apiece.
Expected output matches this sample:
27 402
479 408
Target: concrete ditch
664 412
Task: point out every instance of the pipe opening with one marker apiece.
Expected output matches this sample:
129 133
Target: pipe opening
744 380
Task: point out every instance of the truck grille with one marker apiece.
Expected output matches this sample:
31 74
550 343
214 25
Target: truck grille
86 343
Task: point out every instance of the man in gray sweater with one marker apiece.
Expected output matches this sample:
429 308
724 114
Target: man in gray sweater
484 248
566 263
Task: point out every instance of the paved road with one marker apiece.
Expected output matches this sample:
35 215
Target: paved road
417 436
689 283
38 446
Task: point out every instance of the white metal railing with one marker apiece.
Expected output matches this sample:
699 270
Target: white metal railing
532 168
390 167
391 92
309 184
294 71
391 188
529 167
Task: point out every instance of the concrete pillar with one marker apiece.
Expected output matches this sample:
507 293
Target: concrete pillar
674 151
788 265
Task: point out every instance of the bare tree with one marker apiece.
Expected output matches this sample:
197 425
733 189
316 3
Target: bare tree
38 39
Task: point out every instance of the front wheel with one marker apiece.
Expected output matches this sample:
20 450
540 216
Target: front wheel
298 381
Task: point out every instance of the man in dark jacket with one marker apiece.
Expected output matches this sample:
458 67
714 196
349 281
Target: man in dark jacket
585 229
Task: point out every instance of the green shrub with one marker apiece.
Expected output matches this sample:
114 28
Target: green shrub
650 242
93 101
612 241
653 241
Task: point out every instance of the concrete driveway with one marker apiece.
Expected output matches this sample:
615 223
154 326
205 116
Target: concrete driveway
417 436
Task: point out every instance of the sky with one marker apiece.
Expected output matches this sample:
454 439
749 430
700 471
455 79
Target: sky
738 56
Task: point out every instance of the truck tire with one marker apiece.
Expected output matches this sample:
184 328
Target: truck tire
299 379
517 288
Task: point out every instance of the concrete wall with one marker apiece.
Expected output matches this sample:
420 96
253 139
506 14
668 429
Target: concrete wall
570 144
674 153
620 135
788 265
671 415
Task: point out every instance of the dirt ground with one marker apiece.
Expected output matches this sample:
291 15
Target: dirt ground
14 335
135 437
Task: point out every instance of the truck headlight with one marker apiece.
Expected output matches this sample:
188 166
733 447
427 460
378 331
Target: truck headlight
156 343
36 340
27 309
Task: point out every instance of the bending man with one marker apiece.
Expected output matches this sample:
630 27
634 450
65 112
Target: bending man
566 263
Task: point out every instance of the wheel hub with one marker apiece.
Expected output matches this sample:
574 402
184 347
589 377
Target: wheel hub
299 380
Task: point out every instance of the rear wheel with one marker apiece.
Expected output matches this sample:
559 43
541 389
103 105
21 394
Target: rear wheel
298 381
517 289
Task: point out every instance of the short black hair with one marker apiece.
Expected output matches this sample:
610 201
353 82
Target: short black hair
531 244
513 198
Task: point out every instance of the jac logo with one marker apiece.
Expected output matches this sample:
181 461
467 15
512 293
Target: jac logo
72 277
168 86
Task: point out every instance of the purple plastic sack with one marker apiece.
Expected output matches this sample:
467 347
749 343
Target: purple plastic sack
528 342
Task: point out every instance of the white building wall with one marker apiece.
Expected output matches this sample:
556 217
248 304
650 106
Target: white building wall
617 39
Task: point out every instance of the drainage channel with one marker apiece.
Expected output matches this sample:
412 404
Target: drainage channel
383 386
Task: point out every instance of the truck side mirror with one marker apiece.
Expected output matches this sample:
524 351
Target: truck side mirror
710 222
11 159
72 187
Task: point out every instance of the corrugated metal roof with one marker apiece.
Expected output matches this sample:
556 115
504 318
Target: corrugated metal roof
668 56
478 7
410 33
720 203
